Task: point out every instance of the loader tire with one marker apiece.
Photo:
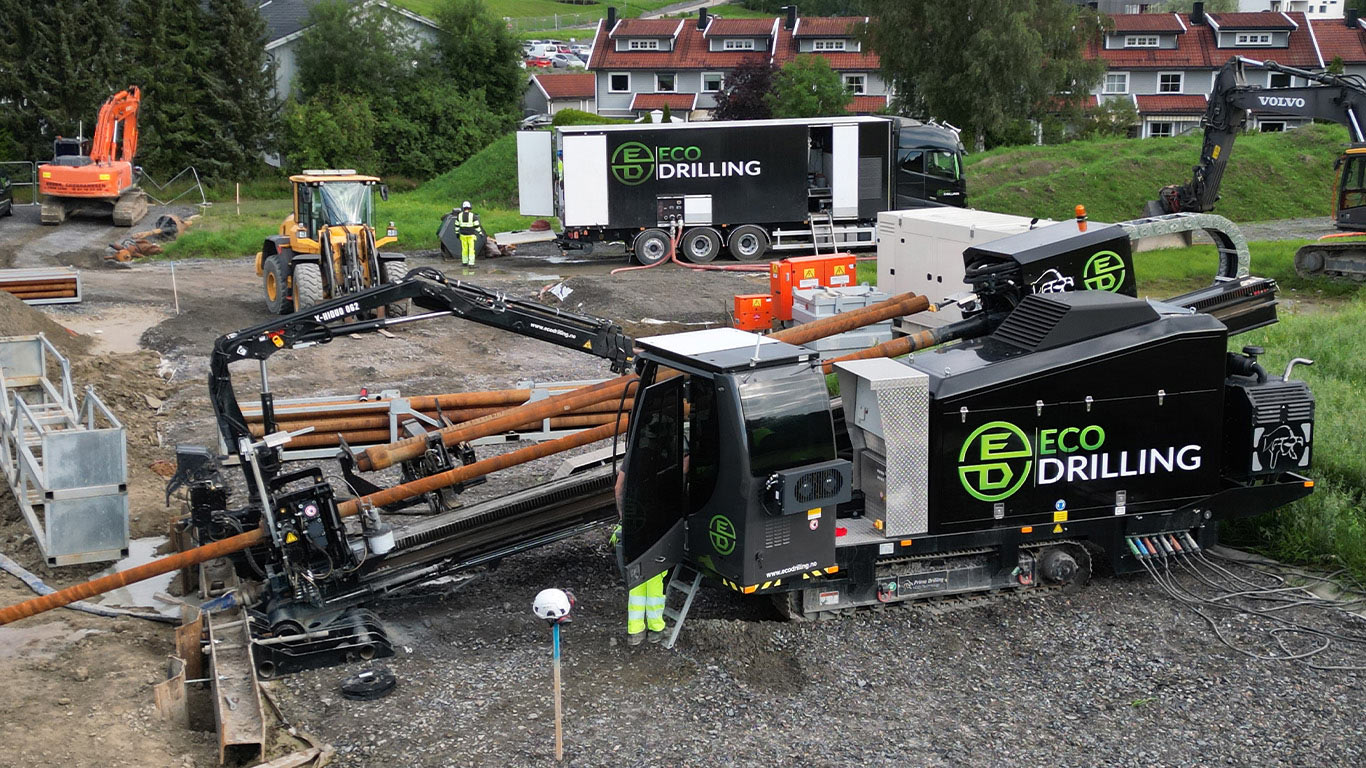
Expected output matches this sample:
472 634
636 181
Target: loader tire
393 271
308 285
276 278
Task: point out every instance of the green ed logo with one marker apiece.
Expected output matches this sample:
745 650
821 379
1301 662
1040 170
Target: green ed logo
633 163
1104 271
721 531
995 461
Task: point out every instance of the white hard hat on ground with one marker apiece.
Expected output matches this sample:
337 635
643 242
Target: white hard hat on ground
551 604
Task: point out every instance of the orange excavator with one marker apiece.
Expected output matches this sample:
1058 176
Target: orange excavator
102 174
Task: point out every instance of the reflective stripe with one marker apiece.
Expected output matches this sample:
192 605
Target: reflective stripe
637 602
654 601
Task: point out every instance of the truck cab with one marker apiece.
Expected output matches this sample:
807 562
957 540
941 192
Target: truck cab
929 165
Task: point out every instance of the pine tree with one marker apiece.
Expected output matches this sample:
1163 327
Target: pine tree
239 106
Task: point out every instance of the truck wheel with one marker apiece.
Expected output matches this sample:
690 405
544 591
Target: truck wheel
308 285
277 285
393 272
748 243
701 245
651 246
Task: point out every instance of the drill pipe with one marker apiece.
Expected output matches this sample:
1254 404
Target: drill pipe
323 423
356 437
381 456
241 541
447 402
894 348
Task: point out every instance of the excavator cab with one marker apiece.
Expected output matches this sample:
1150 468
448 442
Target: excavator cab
1350 209
327 247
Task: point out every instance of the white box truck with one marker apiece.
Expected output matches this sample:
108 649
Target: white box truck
746 187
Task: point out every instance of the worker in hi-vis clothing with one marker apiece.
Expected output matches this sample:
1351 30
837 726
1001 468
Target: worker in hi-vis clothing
468 221
645 603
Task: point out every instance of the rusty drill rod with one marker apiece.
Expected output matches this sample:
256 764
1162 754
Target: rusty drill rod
349 508
123 578
381 456
483 467
894 348
897 306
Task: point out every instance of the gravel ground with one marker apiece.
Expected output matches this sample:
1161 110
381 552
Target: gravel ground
1117 674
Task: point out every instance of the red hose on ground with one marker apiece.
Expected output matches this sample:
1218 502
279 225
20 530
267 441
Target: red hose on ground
673 257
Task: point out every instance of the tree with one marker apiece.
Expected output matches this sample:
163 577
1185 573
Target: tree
981 64
478 52
349 48
808 87
239 104
809 7
667 116
169 63
1184 6
1114 117
742 98
333 129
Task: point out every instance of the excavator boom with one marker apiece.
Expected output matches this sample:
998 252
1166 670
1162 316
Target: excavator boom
116 131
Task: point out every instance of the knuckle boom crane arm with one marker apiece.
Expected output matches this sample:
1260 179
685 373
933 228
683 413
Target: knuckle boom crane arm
1339 98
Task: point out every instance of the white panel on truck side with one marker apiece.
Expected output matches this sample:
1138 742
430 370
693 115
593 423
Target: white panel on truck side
844 185
535 182
585 180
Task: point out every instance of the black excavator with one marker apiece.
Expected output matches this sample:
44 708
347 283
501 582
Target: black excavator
1339 98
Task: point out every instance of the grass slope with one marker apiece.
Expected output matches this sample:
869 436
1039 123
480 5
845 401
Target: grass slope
1271 175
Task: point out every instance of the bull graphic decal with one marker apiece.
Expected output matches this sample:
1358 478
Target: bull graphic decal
1281 442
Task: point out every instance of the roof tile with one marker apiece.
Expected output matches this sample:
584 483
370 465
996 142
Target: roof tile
720 27
691 51
1259 20
1171 104
1169 23
865 104
1337 40
574 85
829 26
660 100
647 27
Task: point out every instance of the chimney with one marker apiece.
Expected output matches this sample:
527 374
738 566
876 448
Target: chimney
1197 13
791 22
611 17
702 18
1351 18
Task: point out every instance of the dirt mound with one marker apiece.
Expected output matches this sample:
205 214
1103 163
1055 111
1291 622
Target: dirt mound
19 319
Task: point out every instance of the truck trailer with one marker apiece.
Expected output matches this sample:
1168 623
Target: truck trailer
745 187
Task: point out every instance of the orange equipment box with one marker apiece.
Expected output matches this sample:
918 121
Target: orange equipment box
754 312
788 275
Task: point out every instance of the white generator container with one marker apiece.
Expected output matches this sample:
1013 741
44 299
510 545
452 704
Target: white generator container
921 250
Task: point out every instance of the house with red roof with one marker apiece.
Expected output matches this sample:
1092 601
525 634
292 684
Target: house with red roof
641 65
1164 63
549 93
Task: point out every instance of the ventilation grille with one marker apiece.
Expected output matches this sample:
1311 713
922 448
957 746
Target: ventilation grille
1288 401
777 533
1031 322
815 486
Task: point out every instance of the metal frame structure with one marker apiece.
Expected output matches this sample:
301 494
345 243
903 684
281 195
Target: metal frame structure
65 463
400 413
32 183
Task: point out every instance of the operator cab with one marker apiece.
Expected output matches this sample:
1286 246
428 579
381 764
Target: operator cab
72 153
1350 210
929 165
731 465
337 198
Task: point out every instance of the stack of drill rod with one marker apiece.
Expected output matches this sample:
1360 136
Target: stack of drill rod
380 456
369 422
43 285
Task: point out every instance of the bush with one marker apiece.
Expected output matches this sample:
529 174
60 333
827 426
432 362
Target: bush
331 130
579 117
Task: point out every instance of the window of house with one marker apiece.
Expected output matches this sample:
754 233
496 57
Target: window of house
1161 129
1252 38
712 81
1279 80
642 45
738 45
664 82
619 82
829 45
1270 127
1136 8
1116 82
1140 41
857 84
1169 82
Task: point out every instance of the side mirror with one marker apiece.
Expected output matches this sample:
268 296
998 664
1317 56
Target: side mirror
384 192
1338 162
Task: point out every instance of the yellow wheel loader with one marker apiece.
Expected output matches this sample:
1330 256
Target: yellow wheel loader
327 247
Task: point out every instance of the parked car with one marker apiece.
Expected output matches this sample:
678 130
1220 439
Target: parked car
566 61
535 121
6 196
538 62
582 51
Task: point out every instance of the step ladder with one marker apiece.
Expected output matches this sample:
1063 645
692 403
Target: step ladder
685 581
824 229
